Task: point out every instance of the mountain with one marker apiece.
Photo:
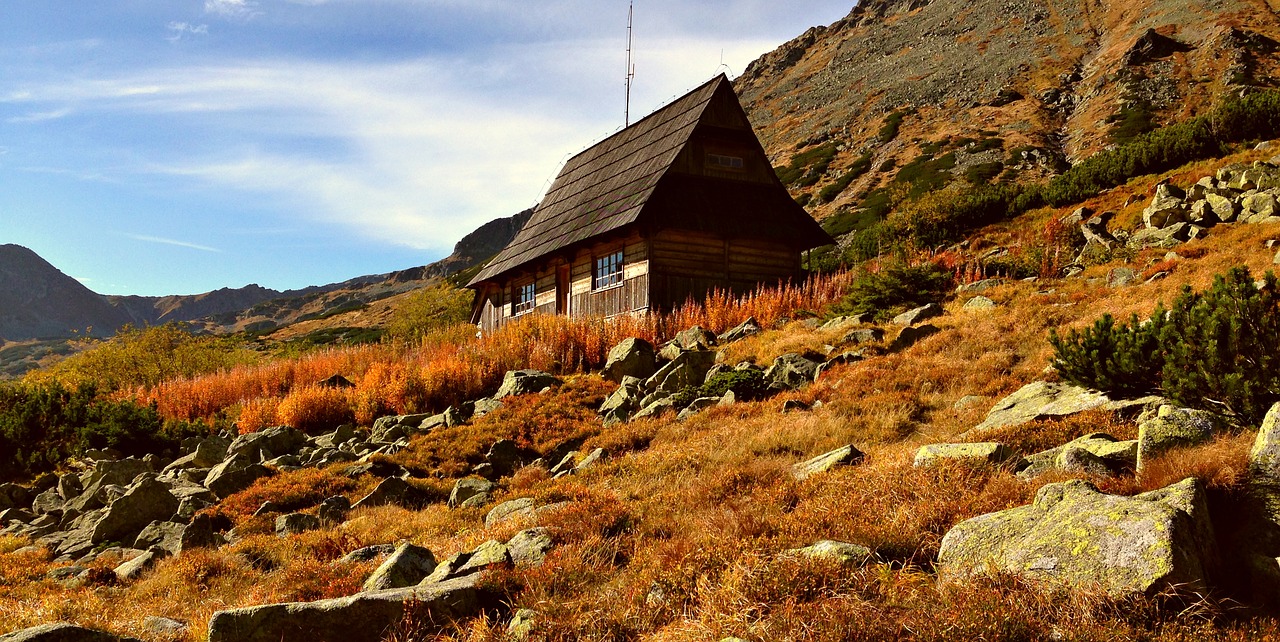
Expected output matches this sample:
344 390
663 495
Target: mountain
37 300
1014 88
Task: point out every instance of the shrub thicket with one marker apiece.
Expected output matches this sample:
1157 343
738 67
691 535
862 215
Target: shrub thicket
41 425
895 288
429 309
1218 350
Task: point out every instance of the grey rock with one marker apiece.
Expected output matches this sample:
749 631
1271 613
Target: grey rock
592 459
1122 277
843 456
912 335
368 553
1264 456
922 313
1225 209
1074 535
165 627
790 371
333 510
522 624
267 443
1164 210
69 486
972 454
696 406
365 617
62 632
521 382
467 488
843 552
864 335
1168 237
633 357
512 509
741 331
505 457
1045 400
136 567
979 286
695 338
391 490
201 533
688 370
339 436
1174 427
529 547
624 401
980 303
235 474
145 502
166 536
407 566
47 502
295 523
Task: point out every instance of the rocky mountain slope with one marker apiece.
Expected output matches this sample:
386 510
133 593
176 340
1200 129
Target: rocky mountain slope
38 300
1027 84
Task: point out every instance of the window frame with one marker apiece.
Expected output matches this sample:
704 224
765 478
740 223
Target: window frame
726 162
521 306
615 277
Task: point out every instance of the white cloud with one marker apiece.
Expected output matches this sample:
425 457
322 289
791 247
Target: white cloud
239 9
165 241
183 30
40 116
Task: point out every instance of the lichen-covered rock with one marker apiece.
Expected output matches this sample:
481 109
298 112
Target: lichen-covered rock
790 371
295 523
973 454
842 552
235 474
523 382
512 509
145 502
1116 456
695 338
364 617
391 490
687 370
922 313
1045 400
1264 457
632 357
134 568
1077 536
912 335
467 488
842 456
624 401
1174 427
980 303
741 331
62 632
864 335
529 547
407 566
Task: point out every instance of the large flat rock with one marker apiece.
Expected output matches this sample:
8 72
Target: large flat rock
1046 400
1082 538
364 617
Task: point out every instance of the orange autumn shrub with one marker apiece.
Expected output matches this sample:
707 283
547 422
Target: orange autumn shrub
256 414
315 409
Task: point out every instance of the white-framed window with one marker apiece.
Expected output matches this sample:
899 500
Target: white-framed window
608 271
524 297
721 161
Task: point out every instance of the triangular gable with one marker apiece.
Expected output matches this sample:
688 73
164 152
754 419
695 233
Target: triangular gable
606 187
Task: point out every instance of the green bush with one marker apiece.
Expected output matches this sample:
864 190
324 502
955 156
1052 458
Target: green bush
808 166
892 123
747 385
894 289
860 166
429 309
1218 350
42 425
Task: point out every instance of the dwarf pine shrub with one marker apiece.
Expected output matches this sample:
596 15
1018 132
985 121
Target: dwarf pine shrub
1218 350
895 288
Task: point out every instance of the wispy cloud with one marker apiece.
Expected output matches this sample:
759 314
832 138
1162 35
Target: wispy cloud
165 241
183 30
239 9
40 116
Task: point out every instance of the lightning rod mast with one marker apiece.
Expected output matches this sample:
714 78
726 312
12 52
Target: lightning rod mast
631 70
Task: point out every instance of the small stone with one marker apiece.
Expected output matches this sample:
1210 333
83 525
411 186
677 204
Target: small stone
842 552
979 303
844 456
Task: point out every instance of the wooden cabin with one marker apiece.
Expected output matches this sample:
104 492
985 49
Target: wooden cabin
669 208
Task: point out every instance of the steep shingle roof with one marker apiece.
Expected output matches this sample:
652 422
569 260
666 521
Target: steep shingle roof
606 186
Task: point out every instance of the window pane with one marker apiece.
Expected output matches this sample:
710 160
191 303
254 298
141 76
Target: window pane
608 270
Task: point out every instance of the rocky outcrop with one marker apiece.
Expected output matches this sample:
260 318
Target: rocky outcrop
523 382
1045 400
632 357
1076 536
407 566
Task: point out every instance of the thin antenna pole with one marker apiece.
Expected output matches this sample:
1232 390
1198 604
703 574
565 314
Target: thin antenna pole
631 70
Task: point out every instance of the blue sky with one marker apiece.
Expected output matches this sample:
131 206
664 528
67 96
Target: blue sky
178 146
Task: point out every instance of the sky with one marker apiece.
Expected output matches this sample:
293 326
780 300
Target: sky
160 147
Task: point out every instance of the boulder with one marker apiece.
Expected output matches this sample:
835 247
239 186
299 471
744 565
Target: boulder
407 566
1122 277
1045 400
1167 237
522 624
341 435
842 552
912 335
333 510
523 382
295 523
741 331
972 454
1259 205
1225 209
512 509
632 357
47 502
688 370
166 536
864 335
529 547
468 488
695 338
592 459
1264 457
267 443
202 532
145 502
368 553
365 617
69 486
979 303
1174 427
505 457
235 474
1076 536
790 371
624 401
134 568
62 632
1116 456
165 628
922 313
391 490
843 456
